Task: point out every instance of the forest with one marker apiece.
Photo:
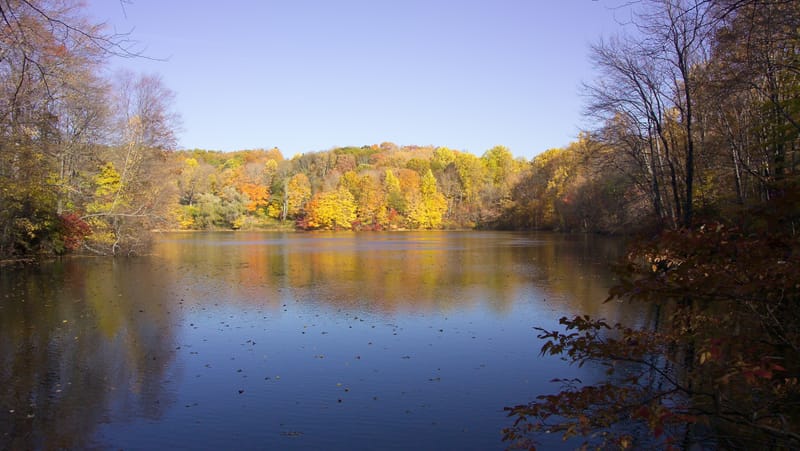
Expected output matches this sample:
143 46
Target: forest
700 129
695 109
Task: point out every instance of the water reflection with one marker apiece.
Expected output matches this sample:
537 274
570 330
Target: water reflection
401 271
79 338
382 336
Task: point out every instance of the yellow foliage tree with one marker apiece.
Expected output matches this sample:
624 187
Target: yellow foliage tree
332 210
371 202
298 192
430 206
394 194
109 199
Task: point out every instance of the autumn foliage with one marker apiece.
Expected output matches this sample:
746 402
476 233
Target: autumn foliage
720 361
378 187
73 230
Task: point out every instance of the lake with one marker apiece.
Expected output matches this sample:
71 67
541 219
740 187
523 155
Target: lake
293 341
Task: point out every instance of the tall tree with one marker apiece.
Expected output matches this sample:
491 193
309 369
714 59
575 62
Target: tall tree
427 209
51 110
679 32
146 127
755 73
630 101
298 192
647 98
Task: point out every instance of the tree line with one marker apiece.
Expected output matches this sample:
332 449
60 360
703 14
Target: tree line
374 187
694 113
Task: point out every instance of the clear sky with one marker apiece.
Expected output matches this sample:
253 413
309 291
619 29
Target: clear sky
305 75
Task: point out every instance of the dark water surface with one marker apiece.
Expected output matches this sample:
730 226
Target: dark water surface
291 341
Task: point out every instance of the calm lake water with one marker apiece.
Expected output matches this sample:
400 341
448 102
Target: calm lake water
292 341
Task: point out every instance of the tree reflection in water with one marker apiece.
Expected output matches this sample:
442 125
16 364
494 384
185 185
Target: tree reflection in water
78 338
382 335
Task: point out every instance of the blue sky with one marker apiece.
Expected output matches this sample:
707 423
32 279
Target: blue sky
306 75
